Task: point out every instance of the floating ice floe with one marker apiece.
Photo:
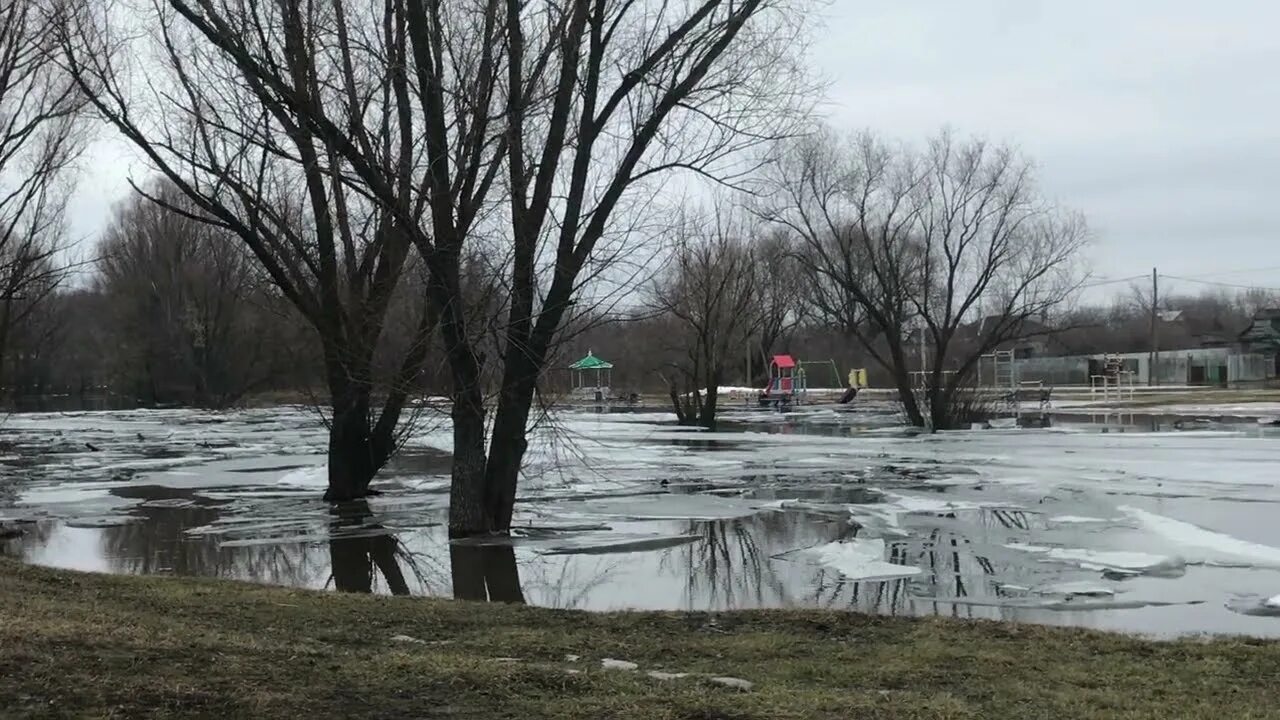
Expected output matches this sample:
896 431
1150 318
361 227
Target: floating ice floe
1085 588
672 507
1254 605
1124 562
616 543
1216 547
315 476
857 559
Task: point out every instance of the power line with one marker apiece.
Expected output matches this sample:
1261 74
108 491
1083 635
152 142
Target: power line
1221 284
1100 283
1241 271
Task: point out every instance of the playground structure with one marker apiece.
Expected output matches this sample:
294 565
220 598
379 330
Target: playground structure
789 381
1114 383
1001 368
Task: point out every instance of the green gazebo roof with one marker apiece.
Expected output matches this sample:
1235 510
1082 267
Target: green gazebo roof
591 362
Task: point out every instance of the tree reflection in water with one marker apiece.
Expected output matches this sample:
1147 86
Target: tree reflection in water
485 572
157 542
359 548
730 566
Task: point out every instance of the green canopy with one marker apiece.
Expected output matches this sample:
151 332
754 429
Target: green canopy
591 362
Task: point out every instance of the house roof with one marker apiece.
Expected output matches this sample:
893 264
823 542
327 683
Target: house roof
591 362
784 361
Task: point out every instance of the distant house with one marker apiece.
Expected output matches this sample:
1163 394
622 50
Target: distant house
1262 337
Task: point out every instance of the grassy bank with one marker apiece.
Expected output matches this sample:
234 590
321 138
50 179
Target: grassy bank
75 645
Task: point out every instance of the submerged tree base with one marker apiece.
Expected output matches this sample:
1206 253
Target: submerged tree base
80 645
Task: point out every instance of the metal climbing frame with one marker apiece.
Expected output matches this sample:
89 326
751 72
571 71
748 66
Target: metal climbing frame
1114 383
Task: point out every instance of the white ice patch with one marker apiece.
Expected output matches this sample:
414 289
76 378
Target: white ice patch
1076 519
1131 562
1220 547
1084 588
316 476
860 559
916 504
672 507
888 514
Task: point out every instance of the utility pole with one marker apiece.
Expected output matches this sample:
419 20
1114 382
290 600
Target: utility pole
1154 358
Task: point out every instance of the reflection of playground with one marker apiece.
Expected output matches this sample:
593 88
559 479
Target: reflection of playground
954 568
736 565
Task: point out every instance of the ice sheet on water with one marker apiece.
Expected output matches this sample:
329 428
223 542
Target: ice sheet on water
1116 560
889 512
1214 546
1087 588
319 536
671 507
613 543
1076 519
101 521
856 559
1255 605
315 476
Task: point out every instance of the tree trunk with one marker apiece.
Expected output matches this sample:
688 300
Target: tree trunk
707 418
939 407
356 450
506 452
468 513
902 379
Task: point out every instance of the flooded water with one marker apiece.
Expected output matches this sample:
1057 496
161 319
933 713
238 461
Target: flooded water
1159 527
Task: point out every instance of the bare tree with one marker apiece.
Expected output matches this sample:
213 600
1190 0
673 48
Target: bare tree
243 155
780 295
710 294
528 128
41 135
953 242
190 312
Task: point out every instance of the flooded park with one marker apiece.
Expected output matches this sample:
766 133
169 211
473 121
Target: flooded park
1157 525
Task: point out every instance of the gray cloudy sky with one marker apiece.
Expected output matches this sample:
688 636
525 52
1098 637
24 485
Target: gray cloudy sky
1159 119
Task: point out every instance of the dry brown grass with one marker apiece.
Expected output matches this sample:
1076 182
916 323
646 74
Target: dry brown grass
97 646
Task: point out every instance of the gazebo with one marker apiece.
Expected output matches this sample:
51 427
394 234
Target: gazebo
588 372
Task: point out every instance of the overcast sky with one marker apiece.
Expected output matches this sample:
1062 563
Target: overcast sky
1159 119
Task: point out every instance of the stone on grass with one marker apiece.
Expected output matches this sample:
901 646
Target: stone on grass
611 664
572 658
408 639
659 675
733 682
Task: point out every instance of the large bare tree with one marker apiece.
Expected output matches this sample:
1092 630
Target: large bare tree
41 135
953 241
244 156
710 297
333 136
